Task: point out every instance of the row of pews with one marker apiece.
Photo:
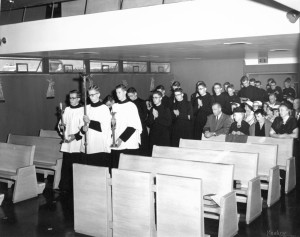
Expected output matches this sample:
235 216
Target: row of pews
170 193
22 157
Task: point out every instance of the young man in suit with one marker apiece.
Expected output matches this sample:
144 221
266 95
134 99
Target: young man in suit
217 123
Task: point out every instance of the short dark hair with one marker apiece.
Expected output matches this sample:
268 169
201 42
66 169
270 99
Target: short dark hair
258 82
75 92
176 83
157 93
252 80
178 90
244 78
288 80
123 87
131 90
109 98
202 84
160 87
259 111
217 84
230 86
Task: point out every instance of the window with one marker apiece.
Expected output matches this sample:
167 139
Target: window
160 67
21 65
104 66
135 67
66 66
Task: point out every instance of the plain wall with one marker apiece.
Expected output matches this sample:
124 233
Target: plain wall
26 109
190 71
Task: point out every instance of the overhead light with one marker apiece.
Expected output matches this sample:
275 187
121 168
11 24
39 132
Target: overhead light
293 16
192 58
279 50
237 43
86 53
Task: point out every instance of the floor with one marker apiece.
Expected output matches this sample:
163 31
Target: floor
51 214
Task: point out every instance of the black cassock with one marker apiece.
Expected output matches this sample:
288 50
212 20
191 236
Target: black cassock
200 114
182 124
143 113
223 100
160 127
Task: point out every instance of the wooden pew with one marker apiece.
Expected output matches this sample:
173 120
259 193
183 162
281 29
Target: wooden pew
245 171
49 133
285 159
16 166
47 158
268 170
134 212
219 183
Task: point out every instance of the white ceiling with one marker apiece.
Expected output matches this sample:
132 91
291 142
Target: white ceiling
206 50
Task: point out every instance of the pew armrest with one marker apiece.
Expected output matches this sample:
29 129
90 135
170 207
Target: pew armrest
229 219
290 177
274 186
254 204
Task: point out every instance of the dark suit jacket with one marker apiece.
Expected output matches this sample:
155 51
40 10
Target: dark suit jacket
268 125
219 127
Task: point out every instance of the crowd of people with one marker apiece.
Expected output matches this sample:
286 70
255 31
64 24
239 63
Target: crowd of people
139 124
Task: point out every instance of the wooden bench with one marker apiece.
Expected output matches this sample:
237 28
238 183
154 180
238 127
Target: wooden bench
49 133
132 196
47 158
245 171
217 181
268 170
16 167
285 159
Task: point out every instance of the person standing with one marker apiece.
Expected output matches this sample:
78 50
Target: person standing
166 101
182 114
97 129
143 113
70 125
248 92
288 91
159 121
128 127
221 98
201 109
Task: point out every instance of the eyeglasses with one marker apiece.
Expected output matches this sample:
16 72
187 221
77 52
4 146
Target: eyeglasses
178 95
200 89
156 97
92 95
73 98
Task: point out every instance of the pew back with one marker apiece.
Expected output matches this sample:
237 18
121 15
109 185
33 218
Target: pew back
246 164
14 156
217 178
49 133
285 146
267 153
47 149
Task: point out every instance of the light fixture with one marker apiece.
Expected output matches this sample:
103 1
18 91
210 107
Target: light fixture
237 43
293 16
192 58
279 50
3 41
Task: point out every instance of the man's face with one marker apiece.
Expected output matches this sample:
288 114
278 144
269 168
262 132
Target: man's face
121 94
132 96
74 100
94 95
287 84
272 99
252 83
273 86
201 90
245 83
238 116
296 104
217 89
178 96
216 110
260 118
230 91
156 99
258 85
